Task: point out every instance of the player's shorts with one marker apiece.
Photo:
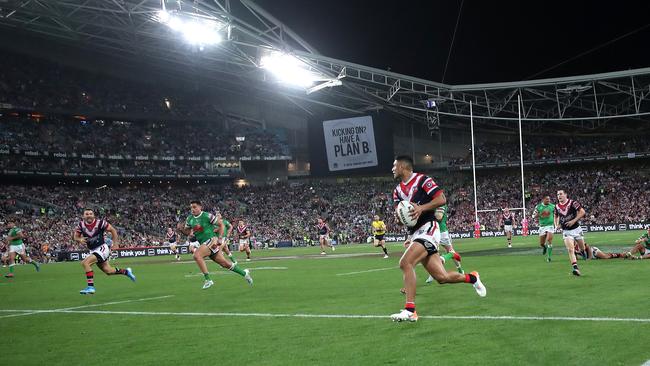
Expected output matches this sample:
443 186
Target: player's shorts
445 239
102 253
575 234
19 249
594 251
172 246
507 228
243 243
428 235
546 229
214 249
323 237
379 237
195 244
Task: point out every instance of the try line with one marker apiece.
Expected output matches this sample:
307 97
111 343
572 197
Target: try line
333 316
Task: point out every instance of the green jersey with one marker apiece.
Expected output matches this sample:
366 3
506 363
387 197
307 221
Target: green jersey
443 221
227 227
202 226
546 214
645 240
14 232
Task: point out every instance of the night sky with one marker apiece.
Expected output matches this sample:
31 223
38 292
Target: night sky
495 41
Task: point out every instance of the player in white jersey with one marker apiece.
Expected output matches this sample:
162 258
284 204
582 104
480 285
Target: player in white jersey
244 234
171 239
425 196
507 222
567 218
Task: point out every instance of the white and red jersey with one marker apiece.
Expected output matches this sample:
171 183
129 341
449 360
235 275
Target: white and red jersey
323 229
507 219
93 232
419 189
567 212
243 232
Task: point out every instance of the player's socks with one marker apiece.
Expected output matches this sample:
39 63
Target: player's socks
35 264
90 278
576 271
385 251
235 268
448 256
549 251
119 271
617 255
544 248
470 278
206 276
11 268
410 306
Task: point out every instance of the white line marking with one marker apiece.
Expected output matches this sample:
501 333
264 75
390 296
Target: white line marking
370 270
336 316
647 363
31 312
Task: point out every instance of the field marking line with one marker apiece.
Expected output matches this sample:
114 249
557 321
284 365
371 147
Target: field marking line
366 271
337 316
647 363
31 312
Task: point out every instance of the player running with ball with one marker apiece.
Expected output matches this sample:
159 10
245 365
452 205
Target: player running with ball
202 225
425 196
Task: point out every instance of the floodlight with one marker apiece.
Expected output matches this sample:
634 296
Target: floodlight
289 69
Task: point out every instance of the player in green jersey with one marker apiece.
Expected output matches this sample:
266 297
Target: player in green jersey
441 216
641 246
17 247
225 237
545 213
202 225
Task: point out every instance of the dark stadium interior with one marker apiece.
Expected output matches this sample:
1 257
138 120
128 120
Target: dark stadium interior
113 107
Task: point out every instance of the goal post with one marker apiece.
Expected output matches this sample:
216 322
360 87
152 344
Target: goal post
521 162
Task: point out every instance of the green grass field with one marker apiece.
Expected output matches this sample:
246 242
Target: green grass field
309 310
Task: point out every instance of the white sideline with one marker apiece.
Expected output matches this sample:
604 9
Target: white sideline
366 271
31 312
647 363
333 316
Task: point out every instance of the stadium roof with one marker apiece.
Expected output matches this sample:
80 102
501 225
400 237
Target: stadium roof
132 29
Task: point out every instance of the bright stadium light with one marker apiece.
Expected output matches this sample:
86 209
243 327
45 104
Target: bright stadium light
289 69
195 31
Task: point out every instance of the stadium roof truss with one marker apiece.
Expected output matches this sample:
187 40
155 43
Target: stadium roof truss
131 28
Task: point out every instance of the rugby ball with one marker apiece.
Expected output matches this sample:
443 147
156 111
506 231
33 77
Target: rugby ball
403 212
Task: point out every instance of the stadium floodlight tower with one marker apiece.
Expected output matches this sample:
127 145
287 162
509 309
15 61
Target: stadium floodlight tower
292 70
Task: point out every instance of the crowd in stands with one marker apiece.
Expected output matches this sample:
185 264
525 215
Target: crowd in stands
289 211
36 84
552 148
56 134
